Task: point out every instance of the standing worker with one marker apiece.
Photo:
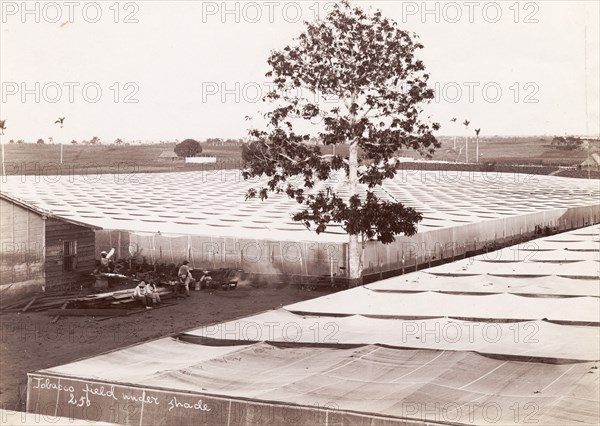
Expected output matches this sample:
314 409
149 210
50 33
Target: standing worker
185 276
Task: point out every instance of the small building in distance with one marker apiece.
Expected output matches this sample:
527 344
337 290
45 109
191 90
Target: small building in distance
593 161
168 155
40 251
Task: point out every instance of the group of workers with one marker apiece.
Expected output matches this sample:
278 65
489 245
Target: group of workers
147 293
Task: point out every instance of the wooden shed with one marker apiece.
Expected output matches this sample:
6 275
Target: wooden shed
593 161
40 251
168 155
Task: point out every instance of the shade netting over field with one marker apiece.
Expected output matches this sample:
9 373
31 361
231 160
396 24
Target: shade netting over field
490 284
560 265
542 279
510 340
516 343
362 301
324 386
212 203
204 217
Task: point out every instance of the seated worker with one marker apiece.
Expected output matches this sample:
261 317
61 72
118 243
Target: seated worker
140 293
206 280
185 276
152 292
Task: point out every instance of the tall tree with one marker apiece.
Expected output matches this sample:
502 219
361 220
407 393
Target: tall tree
188 148
368 65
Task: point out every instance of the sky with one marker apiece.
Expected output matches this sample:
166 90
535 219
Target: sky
158 70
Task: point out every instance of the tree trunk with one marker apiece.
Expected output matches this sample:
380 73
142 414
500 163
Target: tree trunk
354 261
354 247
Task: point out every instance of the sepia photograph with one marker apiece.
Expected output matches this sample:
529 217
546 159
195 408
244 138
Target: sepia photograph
300 213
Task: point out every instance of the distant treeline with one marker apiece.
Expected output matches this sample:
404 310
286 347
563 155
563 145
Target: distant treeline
568 143
222 142
120 141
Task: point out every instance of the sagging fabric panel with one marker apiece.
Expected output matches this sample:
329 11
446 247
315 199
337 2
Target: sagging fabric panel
371 380
531 339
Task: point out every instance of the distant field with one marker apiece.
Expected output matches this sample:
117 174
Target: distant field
32 159
89 159
509 151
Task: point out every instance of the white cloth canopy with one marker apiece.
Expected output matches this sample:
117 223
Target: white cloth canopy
538 339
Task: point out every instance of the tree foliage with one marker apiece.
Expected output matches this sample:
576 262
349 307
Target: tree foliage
569 143
41 141
188 148
223 142
368 66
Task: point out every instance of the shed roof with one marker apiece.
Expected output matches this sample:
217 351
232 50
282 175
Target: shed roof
168 154
592 160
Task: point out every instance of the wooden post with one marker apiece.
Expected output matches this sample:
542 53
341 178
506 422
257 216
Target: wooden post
3 158
119 245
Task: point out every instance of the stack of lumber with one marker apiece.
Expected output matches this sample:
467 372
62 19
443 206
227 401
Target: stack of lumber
114 303
40 302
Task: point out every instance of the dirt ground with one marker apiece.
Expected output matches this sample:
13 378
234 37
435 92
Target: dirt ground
29 341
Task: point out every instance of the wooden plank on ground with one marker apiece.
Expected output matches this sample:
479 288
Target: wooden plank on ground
16 305
88 312
62 308
29 304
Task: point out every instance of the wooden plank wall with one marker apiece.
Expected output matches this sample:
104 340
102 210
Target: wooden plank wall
22 245
58 231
